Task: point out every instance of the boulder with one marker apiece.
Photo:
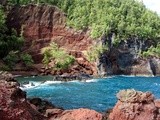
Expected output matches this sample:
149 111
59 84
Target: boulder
155 66
41 105
143 68
135 105
76 114
157 103
13 103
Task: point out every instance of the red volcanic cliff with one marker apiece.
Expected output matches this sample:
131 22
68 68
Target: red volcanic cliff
41 24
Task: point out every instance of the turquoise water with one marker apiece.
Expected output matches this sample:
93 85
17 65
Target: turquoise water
97 94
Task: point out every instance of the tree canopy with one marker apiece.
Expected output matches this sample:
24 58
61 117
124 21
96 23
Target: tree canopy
9 39
124 18
118 20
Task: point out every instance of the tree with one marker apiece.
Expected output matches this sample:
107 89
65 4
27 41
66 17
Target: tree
9 40
119 20
123 18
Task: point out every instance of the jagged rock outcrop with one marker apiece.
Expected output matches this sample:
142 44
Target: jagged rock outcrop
155 66
142 68
13 103
76 114
149 67
42 24
15 106
135 105
124 59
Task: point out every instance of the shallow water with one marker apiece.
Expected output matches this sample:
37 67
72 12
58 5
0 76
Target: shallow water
97 94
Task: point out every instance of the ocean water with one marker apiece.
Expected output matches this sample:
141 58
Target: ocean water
97 94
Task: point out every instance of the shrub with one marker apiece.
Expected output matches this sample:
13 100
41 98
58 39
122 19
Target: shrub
9 39
27 59
5 68
152 51
95 51
61 59
11 59
15 57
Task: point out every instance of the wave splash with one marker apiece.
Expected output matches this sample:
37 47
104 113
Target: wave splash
35 84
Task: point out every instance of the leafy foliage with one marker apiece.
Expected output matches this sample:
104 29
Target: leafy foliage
152 51
27 59
15 57
61 59
11 59
9 40
125 18
95 51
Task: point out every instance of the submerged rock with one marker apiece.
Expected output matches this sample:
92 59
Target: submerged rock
41 105
135 105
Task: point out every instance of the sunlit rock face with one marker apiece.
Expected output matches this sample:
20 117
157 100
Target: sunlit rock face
42 24
135 105
13 103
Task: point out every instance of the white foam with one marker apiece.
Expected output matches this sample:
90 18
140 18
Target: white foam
35 84
29 86
52 82
137 75
156 84
74 81
89 81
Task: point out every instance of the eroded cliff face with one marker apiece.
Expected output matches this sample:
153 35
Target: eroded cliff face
125 59
41 24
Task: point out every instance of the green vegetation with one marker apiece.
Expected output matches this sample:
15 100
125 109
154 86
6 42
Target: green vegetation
124 18
95 51
15 57
117 19
26 59
11 59
53 53
152 51
10 45
9 40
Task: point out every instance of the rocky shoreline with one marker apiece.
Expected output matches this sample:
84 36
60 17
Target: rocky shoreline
131 105
15 106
